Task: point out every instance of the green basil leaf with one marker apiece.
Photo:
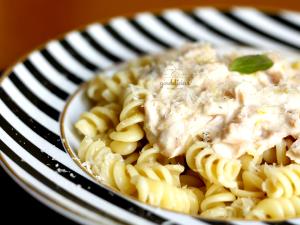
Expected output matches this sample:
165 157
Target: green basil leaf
250 64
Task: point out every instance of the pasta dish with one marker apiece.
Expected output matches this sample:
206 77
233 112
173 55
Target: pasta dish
199 130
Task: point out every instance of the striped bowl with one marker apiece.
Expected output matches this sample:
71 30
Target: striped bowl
34 92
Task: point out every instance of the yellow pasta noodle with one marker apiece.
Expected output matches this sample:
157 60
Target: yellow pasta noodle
168 173
212 167
109 168
283 181
128 131
98 120
278 153
276 208
107 90
149 154
191 179
167 196
216 196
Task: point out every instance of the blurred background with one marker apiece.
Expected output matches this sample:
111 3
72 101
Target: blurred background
26 24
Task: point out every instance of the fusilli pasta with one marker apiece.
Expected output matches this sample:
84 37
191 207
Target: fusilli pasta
282 181
168 173
128 131
276 208
167 196
208 171
200 157
98 120
108 167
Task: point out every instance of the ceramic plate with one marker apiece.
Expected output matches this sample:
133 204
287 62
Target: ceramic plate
35 90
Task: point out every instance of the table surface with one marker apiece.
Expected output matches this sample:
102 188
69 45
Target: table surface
26 24
24 207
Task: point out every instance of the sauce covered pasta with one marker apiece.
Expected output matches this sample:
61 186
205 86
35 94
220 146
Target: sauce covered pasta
199 130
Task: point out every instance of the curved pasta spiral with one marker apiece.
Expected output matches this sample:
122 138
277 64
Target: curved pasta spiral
239 208
253 180
278 153
240 192
276 208
282 181
98 120
128 131
151 154
249 185
200 157
167 196
216 196
109 89
250 162
168 173
108 167
191 179
132 158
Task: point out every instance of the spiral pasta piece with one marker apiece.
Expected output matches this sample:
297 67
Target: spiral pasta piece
132 158
241 207
239 192
151 154
200 157
249 162
109 89
167 196
249 185
191 180
253 180
108 167
98 120
168 173
128 131
276 208
216 196
278 153
282 181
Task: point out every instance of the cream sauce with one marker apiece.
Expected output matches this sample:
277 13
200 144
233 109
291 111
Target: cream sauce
192 95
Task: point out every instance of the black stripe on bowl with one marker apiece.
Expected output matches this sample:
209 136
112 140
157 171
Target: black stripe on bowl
60 68
236 19
148 34
280 223
212 222
175 29
39 103
30 122
83 61
44 81
215 30
283 21
101 49
119 37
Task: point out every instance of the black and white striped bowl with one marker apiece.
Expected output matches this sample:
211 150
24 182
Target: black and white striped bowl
34 91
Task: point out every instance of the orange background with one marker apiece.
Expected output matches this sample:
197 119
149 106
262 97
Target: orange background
24 24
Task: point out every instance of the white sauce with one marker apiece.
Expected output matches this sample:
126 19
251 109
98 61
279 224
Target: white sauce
237 113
